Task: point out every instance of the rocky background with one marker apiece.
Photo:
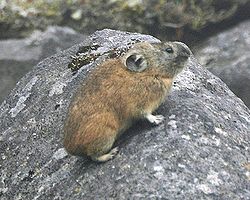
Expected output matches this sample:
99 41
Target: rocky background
171 19
227 55
200 152
18 56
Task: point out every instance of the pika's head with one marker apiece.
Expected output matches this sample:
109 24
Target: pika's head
166 59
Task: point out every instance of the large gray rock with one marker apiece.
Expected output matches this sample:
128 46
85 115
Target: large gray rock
201 151
227 55
18 56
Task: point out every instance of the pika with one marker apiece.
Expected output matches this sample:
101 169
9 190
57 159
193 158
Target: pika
118 92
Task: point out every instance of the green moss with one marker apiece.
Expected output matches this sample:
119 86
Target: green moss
157 17
199 20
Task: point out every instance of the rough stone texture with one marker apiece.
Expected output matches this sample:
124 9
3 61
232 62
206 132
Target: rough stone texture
227 55
201 151
18 56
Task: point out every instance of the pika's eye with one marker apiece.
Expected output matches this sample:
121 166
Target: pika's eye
169 50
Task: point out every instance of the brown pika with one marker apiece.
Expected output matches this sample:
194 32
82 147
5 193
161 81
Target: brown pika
119 92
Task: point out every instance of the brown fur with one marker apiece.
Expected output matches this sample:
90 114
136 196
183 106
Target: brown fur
111 98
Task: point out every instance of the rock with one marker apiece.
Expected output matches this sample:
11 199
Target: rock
201 151
227 56
18 56
167 19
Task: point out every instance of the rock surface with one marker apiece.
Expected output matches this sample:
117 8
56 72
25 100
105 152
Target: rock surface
201 151
18 56
227 55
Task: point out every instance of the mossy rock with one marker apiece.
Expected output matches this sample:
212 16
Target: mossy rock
170 19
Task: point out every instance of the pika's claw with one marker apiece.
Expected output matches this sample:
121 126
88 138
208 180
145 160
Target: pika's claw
155 119
107 156
113 152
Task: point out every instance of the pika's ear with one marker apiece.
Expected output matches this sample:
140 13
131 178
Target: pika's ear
135 62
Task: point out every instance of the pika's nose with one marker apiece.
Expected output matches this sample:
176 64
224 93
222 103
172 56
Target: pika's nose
183 49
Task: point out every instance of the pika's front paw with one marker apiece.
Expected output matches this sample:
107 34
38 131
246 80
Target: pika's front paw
155 119
107 156
113 152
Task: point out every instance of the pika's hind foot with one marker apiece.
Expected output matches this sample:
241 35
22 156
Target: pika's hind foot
155 119
108 156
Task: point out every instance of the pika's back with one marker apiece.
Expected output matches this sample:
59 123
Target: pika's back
142 60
